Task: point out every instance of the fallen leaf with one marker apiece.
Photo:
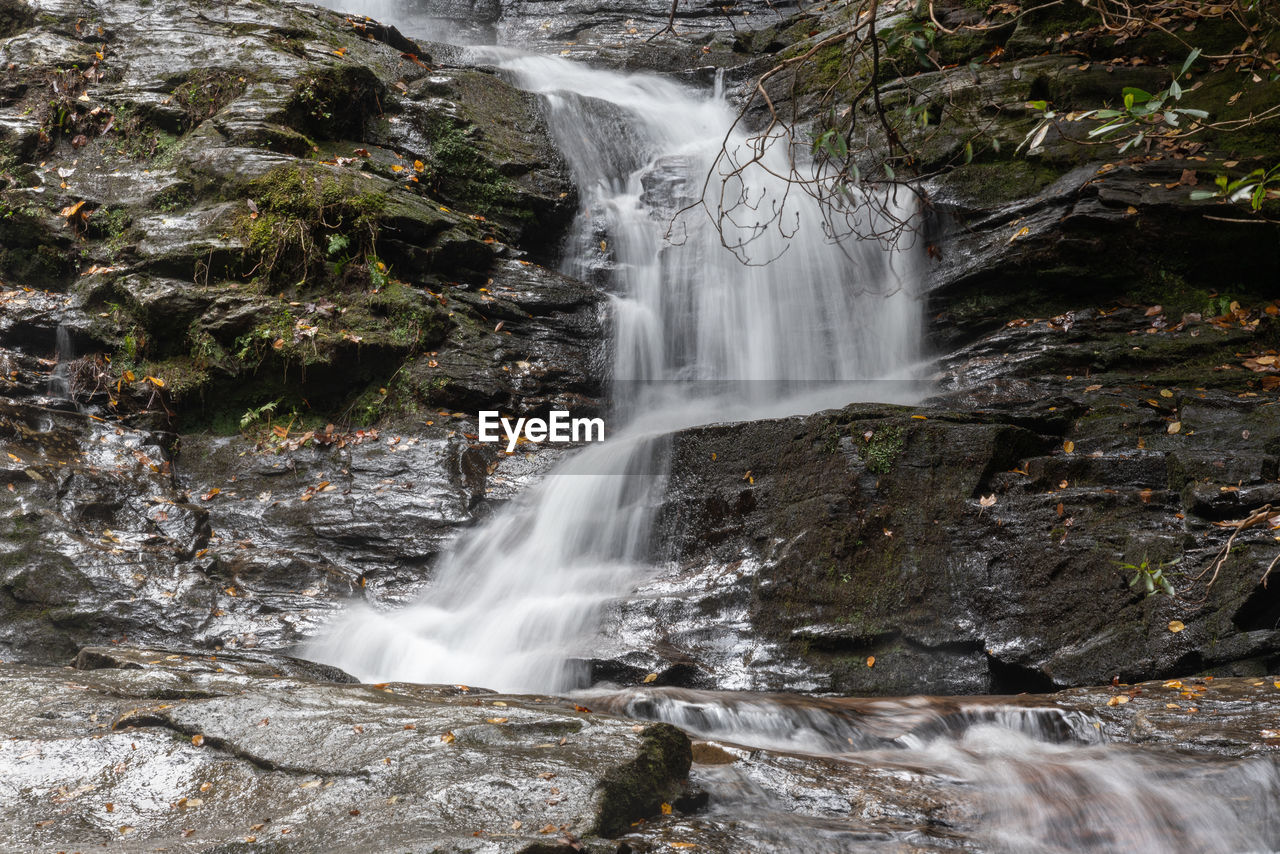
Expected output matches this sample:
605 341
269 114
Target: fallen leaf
197 740
1069 446
871 661
987 500
1175 427
1176 626
650 678
1118 700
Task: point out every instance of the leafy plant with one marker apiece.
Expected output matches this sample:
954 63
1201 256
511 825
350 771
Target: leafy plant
253 415
1256 187
1143 113
1150 579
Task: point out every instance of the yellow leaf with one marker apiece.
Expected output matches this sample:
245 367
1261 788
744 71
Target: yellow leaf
129 376
342 51
448 738
871 661
397 168
1176 626
1069 446
417 165
650 678
197 740
1118 700
1022 232
666 809
497 720
1175 427
682 844
920 417
1164 392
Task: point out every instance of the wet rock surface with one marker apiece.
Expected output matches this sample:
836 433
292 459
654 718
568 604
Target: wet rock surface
985 540
206 753
232 240
269 203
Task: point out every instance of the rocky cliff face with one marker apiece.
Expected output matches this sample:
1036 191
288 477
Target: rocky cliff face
256 211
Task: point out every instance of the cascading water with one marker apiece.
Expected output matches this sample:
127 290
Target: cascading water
60 376
517 602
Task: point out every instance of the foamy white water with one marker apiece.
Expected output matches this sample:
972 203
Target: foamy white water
519 599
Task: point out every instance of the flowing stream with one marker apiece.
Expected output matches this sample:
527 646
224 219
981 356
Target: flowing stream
516 606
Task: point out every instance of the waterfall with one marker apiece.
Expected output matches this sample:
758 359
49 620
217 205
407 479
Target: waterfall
63 354
517 603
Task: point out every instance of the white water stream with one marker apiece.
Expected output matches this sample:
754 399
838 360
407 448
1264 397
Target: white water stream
517 602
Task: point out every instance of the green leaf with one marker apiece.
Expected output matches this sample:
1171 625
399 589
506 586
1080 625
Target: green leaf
1038 105
1195 54
888 172
1138 96
1195 114
968 152
1201 195
1175 90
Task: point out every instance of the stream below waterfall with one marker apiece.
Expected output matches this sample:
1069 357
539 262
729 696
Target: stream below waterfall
519 604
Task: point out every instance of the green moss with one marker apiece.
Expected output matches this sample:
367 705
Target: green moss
882 450
336 102
139 139
205 91
15 16
460 169
111 225
992 184
638 789
300 212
